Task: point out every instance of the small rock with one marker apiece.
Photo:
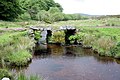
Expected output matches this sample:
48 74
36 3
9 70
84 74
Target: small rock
5 78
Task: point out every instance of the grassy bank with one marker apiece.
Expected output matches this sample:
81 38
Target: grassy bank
105 41
15 47
15 50
19 76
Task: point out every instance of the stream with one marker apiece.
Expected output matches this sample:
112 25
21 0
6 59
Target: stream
54 62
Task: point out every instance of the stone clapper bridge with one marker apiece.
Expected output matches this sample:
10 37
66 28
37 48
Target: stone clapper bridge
45 33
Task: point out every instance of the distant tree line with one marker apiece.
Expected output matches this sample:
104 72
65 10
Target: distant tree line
42 10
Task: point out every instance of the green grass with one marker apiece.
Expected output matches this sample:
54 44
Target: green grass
19 58
7 38
103 40
85 23
7 24
111 32
14 47
58 37
5 73
22 76
78 23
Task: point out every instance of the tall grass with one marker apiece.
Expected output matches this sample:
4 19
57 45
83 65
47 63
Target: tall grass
19 76
104 45
5 73
103 40
15 47
88 40
22 76
24 43
19 58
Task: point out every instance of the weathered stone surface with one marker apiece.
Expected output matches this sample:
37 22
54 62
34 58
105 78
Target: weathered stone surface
5 78
46 33
39 28
67 28
44 36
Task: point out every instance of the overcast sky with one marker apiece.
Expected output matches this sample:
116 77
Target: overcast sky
94 7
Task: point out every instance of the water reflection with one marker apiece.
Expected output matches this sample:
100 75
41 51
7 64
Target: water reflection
45 51
71 63
42 51
104 60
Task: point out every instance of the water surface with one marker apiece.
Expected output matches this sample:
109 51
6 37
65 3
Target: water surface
72 63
